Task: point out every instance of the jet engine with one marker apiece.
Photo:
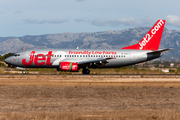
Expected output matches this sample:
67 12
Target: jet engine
68 66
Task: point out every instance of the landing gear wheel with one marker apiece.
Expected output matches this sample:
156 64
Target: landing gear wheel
23 72
85 71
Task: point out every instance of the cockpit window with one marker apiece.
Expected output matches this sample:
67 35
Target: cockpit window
16 55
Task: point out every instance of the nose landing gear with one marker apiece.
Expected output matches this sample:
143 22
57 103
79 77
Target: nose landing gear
24 72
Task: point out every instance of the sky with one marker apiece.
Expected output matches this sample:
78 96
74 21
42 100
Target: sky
37 17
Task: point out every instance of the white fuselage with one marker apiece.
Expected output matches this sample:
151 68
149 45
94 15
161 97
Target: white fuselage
50 58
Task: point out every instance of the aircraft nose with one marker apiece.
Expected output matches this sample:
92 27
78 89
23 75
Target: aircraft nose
7 60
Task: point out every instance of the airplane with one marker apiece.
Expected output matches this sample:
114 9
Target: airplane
75 59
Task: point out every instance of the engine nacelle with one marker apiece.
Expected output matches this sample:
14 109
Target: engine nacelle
68 66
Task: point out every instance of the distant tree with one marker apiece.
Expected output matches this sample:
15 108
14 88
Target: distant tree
8 55
1 58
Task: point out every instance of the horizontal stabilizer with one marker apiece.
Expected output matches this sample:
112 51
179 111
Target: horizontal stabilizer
156 54
160 51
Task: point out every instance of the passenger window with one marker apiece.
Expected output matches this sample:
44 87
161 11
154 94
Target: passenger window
77 55
80 55
74 55
57 55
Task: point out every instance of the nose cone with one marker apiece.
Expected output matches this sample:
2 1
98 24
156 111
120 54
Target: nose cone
7 60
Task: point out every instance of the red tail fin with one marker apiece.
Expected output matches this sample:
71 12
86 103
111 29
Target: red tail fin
152 39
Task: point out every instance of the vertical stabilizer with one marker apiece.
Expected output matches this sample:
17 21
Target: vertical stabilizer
151 40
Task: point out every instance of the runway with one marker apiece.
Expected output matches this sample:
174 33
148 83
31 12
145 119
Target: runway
92 78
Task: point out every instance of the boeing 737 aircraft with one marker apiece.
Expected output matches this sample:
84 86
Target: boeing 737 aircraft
75 59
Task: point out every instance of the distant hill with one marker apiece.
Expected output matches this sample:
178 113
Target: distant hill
107 40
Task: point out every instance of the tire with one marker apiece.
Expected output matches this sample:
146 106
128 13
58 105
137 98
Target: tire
86 71
23 72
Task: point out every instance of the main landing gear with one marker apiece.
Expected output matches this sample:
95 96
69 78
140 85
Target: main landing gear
85 71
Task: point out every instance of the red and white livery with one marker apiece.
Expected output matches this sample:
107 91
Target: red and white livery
75 59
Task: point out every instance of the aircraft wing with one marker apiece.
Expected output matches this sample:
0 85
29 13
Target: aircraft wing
96 61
